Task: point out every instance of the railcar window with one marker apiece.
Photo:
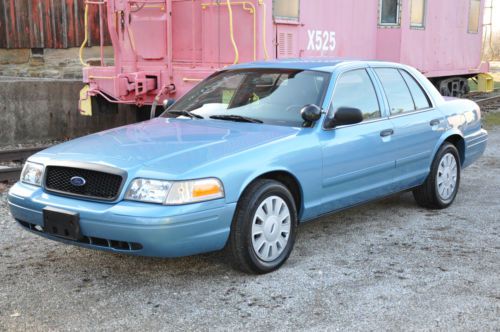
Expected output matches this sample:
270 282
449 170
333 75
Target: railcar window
286 9
355 89
389 12
420 98
474 12
418 13
396 90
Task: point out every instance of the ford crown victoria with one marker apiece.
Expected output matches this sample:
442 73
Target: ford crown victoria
249 154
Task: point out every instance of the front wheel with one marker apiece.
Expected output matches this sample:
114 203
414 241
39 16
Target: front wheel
264 227
441 186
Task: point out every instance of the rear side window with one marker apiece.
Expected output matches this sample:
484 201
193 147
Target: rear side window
355 89
419 96
396 90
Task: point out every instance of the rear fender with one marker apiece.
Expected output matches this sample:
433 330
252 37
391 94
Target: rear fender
442 139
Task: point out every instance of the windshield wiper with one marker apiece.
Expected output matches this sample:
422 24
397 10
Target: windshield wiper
237 118
186 113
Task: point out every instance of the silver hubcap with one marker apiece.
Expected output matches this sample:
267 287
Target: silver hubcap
447 176
271 228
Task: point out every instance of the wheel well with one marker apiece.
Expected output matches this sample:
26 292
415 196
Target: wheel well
459 143
289 181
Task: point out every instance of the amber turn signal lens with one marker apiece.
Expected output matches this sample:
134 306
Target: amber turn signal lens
206 189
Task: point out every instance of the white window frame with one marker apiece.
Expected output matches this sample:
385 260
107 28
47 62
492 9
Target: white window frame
398 16
424 17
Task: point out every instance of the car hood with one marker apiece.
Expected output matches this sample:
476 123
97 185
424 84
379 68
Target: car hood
172 146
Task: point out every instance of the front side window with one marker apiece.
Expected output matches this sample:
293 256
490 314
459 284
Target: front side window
354 89
389 11
286 9
418 13
396 90
271 96
474 12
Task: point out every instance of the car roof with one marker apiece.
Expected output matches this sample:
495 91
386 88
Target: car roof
320 64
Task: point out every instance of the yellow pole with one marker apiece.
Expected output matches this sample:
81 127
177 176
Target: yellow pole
264 18
231 31
85 19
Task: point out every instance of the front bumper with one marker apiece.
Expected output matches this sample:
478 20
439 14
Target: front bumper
131 227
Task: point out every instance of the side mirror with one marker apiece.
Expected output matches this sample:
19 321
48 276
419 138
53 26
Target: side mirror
345 116
310 113
167 103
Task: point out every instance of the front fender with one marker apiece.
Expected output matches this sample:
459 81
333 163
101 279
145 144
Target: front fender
308 189
261 172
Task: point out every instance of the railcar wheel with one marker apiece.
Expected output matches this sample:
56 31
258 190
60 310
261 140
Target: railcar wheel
441 186
264 227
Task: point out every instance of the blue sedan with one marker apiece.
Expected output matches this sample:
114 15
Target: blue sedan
249 154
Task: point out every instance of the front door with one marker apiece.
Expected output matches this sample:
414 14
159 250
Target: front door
358 161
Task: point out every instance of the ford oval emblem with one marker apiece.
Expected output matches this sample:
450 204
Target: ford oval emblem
77 181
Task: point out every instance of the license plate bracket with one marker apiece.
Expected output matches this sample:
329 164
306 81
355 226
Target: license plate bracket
61 223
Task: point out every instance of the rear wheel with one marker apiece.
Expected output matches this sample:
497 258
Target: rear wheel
441 186
264 227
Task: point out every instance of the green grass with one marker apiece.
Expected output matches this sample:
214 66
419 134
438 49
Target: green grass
491 120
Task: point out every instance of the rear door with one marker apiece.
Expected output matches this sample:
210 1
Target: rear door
357 161
417 125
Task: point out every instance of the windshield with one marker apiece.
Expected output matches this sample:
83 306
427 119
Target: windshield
271 96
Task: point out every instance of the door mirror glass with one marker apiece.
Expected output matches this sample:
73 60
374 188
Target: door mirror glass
310 113
345 116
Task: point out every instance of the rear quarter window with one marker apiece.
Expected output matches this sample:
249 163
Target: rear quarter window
419 96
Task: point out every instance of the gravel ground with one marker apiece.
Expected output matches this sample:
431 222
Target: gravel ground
388 265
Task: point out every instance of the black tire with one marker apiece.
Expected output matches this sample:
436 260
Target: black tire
427 195
240 246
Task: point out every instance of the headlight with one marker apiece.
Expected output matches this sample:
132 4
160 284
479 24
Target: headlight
174 193
151 191
32 173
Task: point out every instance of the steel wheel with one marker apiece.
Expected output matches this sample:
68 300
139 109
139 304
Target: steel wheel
264 227
441 186
271 228
446 178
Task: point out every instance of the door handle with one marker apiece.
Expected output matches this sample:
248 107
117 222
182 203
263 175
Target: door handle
387 132
435 122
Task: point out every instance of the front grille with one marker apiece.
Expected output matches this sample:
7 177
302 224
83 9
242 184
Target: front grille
98 185
93 241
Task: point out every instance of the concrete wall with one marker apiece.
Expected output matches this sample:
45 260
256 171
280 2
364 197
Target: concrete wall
40 110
